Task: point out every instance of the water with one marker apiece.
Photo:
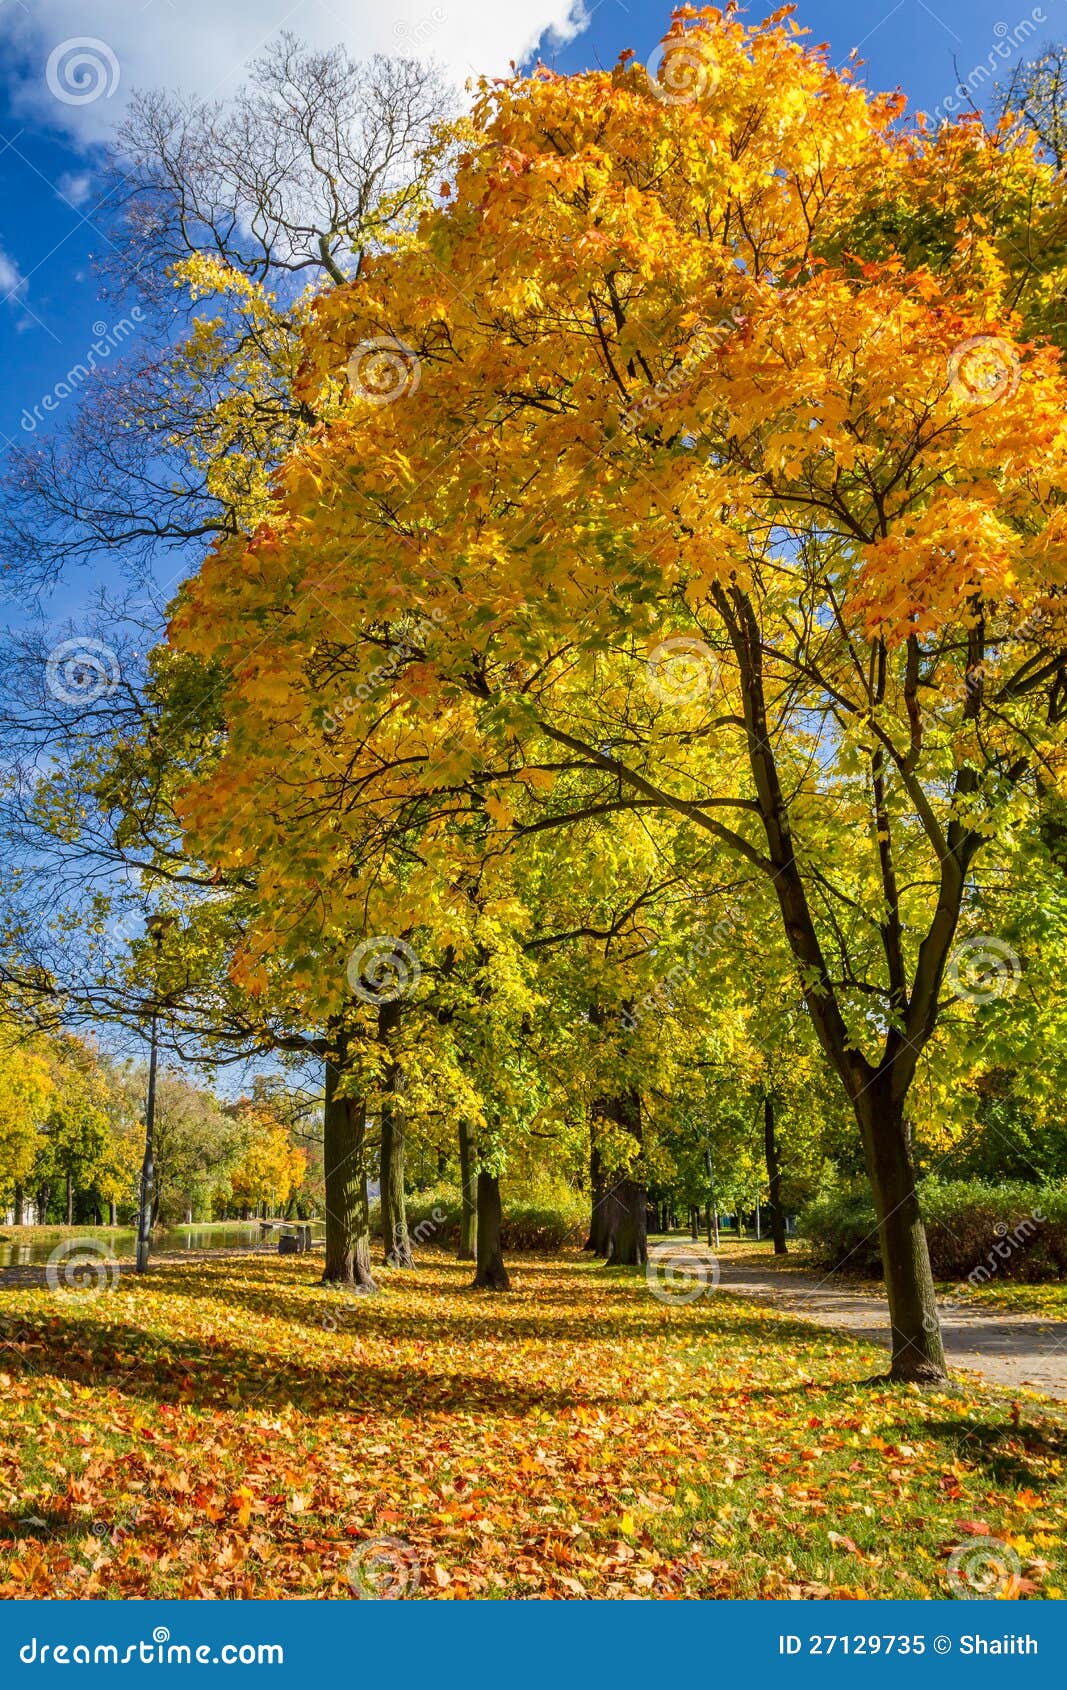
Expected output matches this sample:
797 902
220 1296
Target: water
222 1235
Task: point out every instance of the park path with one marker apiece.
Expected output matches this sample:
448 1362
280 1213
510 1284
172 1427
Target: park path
1007 1349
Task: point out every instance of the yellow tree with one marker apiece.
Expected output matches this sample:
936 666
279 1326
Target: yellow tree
270 1165
719 477
27 1088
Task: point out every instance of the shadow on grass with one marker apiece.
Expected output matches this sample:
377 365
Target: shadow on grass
1012 1456
585 1318
594 1312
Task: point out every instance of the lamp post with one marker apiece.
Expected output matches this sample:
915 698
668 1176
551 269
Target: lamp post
157 927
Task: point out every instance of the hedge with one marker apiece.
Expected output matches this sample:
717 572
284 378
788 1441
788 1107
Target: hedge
537 1220
977 1231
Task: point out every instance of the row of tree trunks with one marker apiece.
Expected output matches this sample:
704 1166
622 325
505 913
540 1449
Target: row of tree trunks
348 1259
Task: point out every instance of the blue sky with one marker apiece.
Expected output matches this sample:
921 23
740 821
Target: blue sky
50 224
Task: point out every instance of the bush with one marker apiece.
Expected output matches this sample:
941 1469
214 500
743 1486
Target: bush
543 1218
977 1231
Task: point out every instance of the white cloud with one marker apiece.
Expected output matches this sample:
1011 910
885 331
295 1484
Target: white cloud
78 63
12 281
75 186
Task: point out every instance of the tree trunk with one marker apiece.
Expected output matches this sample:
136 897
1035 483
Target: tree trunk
44 1197
19 1204
395 1240
694 1224
112 1213
626 1203
394 1219
468 1213
70 1200
774 1177
918 1352
627 1239
343 1152
491 1274
597 1241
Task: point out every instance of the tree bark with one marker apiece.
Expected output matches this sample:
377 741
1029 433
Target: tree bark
597 1240
490 1274
918 1351
394 1218
468 1212
395 1240
112 1213
70 1200
625 1204
344 1168
627 1238
19 1203
774 1177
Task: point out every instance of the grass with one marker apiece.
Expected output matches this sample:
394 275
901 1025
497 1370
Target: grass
230 1428
1048 1300
55 1234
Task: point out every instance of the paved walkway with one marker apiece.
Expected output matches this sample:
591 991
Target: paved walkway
1008 1349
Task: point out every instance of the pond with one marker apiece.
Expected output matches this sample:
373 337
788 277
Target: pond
218 1235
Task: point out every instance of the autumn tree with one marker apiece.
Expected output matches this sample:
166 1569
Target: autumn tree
26 1090
726 459
268 1166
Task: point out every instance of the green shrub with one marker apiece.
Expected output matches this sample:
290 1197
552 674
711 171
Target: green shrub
977 1231
542 1218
